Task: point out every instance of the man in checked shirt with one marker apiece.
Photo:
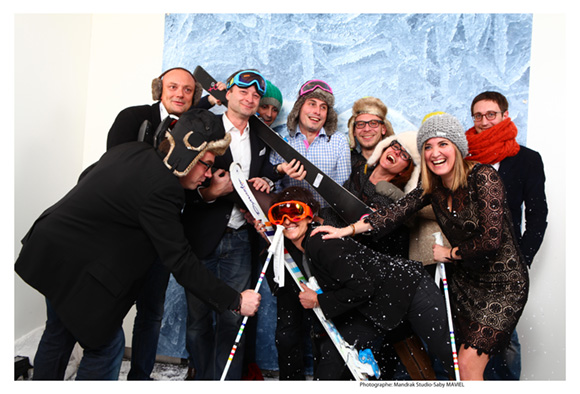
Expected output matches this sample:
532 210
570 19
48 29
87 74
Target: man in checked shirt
311 127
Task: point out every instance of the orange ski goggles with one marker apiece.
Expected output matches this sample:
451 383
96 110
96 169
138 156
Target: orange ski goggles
293 210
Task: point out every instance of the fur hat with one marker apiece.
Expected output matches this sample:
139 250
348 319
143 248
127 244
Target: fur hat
372 106
157 86
331 123
195 133
408 141
273 96
443 125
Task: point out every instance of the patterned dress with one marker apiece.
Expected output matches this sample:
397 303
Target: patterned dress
489 286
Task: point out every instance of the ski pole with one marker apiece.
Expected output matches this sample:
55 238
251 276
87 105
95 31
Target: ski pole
441 271
271 251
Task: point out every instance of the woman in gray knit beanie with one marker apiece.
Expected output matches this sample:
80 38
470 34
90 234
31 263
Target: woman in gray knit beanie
437 131
489 286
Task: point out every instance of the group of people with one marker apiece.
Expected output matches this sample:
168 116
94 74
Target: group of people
160 201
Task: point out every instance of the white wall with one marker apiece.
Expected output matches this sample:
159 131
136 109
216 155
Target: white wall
50 74
73 73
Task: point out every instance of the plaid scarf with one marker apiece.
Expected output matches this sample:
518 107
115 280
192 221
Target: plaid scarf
494 144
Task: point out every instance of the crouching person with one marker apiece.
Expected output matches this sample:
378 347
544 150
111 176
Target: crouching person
364 293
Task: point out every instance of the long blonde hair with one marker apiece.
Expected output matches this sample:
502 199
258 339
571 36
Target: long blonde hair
461 169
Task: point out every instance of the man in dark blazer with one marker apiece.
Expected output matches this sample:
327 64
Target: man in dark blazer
90 252
223 241
175 91
492 140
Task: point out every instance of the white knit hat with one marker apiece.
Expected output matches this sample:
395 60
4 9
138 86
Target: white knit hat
408 141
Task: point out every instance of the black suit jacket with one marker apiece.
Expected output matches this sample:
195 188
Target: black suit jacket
89 253
126 126
524 179
205 223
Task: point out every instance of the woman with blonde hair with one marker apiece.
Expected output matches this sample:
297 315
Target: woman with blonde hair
489 282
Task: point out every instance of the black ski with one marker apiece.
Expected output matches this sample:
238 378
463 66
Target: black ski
348 206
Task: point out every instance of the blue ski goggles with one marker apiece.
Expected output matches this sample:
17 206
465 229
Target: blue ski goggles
245 79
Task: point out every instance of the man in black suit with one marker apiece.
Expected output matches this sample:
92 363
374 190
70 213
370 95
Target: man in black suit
492 140
90 252
175 91
223 242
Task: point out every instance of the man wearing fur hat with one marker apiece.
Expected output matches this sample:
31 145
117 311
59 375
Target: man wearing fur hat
311 128
90 252
367 126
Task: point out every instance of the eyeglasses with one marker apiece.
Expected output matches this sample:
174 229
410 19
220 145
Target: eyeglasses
208 166
313 84
293 210
245 79
490 115
403 154
360 124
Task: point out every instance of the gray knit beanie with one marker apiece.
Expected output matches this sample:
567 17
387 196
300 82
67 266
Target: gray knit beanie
443 126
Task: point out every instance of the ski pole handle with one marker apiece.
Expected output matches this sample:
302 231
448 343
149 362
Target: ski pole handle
244 321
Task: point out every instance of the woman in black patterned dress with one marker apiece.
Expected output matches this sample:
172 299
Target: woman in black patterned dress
489 281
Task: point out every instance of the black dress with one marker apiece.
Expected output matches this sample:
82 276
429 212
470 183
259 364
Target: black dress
489 286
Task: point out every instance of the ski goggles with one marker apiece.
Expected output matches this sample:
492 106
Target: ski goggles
293 210
245 79
313 84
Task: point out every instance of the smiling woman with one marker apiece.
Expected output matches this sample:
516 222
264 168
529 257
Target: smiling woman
489 285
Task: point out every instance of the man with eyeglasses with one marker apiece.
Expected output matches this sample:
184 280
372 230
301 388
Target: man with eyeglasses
89 254
219 233
492 140
311 128
367 126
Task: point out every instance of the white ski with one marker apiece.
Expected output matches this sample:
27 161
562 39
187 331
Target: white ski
361 364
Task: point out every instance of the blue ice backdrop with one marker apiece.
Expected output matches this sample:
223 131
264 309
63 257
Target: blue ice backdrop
415 63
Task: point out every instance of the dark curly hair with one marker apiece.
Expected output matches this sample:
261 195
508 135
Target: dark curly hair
298 194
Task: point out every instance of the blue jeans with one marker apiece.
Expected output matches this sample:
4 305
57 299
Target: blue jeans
55 348
508 364
211 335
147 325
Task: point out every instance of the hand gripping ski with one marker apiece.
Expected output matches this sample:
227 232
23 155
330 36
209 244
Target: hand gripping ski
346 204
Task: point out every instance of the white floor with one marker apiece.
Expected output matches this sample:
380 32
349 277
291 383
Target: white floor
163 371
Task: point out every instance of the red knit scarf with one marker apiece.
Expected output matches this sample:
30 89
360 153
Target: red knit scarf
494 144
